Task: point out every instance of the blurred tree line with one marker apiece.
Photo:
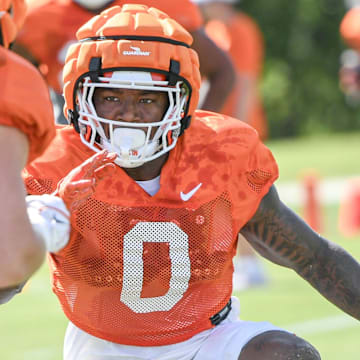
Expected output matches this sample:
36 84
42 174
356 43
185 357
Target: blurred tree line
300 84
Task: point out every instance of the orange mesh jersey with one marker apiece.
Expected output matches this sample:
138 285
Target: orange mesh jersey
142 270
50 29
25 103
242 39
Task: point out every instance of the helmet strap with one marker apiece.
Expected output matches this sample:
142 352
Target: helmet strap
94 72
73 117
174 71
95 68
1 37
185 123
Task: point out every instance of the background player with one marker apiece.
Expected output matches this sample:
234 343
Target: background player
239 35
26 130
39 223
148 269
349 74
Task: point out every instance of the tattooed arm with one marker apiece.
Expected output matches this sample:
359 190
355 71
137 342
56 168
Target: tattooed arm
281 236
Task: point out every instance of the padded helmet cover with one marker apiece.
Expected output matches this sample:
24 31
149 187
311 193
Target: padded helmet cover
132 37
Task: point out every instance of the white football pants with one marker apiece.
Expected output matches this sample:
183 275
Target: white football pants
225 341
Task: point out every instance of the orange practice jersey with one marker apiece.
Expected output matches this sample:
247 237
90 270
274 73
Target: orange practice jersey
243 41
25 102
51 25
142 270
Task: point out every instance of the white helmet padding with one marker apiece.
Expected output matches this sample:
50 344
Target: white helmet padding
133 145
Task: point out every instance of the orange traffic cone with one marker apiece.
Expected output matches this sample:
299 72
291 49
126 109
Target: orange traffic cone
349 212
313 213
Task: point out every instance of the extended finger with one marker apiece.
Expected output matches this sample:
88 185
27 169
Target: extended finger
88 166
104 171
97 161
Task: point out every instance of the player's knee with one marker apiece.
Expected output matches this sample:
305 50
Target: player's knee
278 345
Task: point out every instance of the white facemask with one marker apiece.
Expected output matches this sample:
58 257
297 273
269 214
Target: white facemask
93 4
134 142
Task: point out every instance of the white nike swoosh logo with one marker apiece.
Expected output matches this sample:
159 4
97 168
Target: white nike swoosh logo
190 194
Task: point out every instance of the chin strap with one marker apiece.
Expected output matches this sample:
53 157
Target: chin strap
1 38
185 123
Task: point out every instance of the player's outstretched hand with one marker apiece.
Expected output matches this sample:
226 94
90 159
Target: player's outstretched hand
80 183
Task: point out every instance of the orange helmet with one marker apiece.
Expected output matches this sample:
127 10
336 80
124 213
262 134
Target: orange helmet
12 16
124 47
350 28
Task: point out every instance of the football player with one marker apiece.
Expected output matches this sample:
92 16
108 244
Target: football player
237 33
349 72
26 130
51 25
147 272
38 223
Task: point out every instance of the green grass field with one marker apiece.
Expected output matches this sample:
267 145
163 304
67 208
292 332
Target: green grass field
331 155
33 326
